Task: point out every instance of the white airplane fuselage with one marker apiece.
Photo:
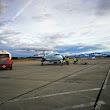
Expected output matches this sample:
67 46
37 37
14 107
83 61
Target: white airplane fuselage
53 57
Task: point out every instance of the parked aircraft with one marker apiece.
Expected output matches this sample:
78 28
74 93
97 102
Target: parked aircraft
50 56
53 57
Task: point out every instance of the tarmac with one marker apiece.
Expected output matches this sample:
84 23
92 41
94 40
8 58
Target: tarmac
30 86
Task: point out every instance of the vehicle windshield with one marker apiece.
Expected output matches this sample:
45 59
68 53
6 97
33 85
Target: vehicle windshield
4 55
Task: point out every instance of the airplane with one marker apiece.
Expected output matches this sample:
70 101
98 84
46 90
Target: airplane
53 57
49 56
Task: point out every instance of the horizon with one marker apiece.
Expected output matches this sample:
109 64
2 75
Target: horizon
72 54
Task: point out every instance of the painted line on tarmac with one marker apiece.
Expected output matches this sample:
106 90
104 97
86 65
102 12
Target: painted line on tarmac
78 106
105 84
100 91
57 94
74 74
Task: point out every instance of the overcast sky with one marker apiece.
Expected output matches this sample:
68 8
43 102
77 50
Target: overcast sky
66 26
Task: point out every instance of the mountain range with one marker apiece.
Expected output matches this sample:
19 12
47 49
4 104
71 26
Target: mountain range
90 55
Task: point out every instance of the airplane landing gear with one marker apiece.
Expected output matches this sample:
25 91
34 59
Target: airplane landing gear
61 62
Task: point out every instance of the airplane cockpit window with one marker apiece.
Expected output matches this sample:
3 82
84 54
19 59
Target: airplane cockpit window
56 54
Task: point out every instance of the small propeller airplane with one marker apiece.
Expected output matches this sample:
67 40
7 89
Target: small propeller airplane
50 56
53 57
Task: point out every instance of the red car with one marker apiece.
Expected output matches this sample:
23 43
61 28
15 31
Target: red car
5 60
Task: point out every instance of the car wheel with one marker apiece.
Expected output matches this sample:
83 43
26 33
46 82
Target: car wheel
11 68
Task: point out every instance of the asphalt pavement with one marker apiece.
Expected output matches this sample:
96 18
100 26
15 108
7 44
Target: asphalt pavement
30 86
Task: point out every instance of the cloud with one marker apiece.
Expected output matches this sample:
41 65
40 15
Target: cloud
2 6
42 17
3 23
9 33
3 42
78 48
9 38
55 39
63 25
103 7
92 8
76 6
